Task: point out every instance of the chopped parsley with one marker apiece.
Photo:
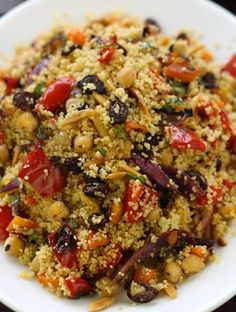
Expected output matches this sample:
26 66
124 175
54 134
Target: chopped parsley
41 133
101 150
39 89
120 132
179 88
141 178
32 237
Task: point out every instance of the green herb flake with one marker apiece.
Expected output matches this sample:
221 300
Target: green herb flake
41 133
141 178
73 223
120 133
7 247
146 45
179 88
39 89
32 237
101 150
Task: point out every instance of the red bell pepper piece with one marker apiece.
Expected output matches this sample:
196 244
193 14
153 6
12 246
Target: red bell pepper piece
41 174
228 184
216 192
183 138
77 286
57 94
12 83
206 110
230 67
5 218
64 245
106 54
226 122
135 199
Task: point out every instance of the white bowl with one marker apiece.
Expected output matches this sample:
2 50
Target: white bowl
215 285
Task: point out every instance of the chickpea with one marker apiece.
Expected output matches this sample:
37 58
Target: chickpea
166 157
193 264
35 264
126 77
106 287
174 272
27 122
154 215
227 211
83 143
61 139
14 246
58 211
4 154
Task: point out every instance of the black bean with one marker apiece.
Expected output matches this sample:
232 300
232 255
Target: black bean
89 179
182 36
209 81
97 221
153 140
24 100
72 164
150 24
83 106
68 50
54 44
202 181
2 115
218 164
97 189
91 79
64 239
144 296
69 164
123 49
118 112
150 21
165 199
2 171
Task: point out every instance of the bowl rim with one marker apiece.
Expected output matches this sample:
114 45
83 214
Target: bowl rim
208 5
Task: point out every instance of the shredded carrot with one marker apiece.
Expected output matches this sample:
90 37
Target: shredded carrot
132 125
46 281
207 56
30 201
197 251
18 224
116 212
220 103
94 241
145 275
76 36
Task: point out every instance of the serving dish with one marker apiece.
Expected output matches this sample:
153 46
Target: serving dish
201 293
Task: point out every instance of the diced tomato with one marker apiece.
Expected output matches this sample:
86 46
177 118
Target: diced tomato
77 286
76 36
41 174
106 54
64 246
230 67
206 110
181 71
183 138
137 196
11 84
5 218
57 94
228 184
226 122
217 194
